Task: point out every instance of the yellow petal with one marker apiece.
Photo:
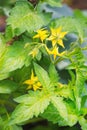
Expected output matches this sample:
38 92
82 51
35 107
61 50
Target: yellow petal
36 36
58 30
43 37
53 32
55 52
54 42
60 42
62 34
27 82
42 34
38 84
35 87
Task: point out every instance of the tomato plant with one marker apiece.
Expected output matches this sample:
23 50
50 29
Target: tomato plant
43 67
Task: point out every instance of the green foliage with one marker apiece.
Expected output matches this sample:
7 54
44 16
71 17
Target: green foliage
54 77
7 86
13 57
24 18
61 107
83 123
32 86
72 25
42 75
14 127
5 126
31 105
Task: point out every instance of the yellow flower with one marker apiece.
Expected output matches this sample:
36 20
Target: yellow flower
42 34
54 52
36 86
33 82
57 36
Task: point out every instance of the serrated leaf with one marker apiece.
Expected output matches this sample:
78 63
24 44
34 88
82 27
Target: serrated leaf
78 58
79 87
7 86
24 18
28 98
80 80
51 114
2 45
42 75
14 57
35 105
53 74
83 123
72 112
65 92
71 25
60 106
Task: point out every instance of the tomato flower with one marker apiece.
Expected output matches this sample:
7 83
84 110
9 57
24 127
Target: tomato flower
33 82
54 52
42 34
57 36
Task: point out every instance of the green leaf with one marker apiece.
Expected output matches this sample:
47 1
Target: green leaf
2 45
71 25
1 123
60 106
78 59
84 104
5 126
80 80
32 105
7 86
51 114
9 33
4 75
42 75
53 74
13 127
79 87
24 18
65 92
13 58
20 75
72 112
83 123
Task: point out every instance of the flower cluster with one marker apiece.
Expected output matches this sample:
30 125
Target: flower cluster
56 37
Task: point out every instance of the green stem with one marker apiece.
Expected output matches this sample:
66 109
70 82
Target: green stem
58 60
